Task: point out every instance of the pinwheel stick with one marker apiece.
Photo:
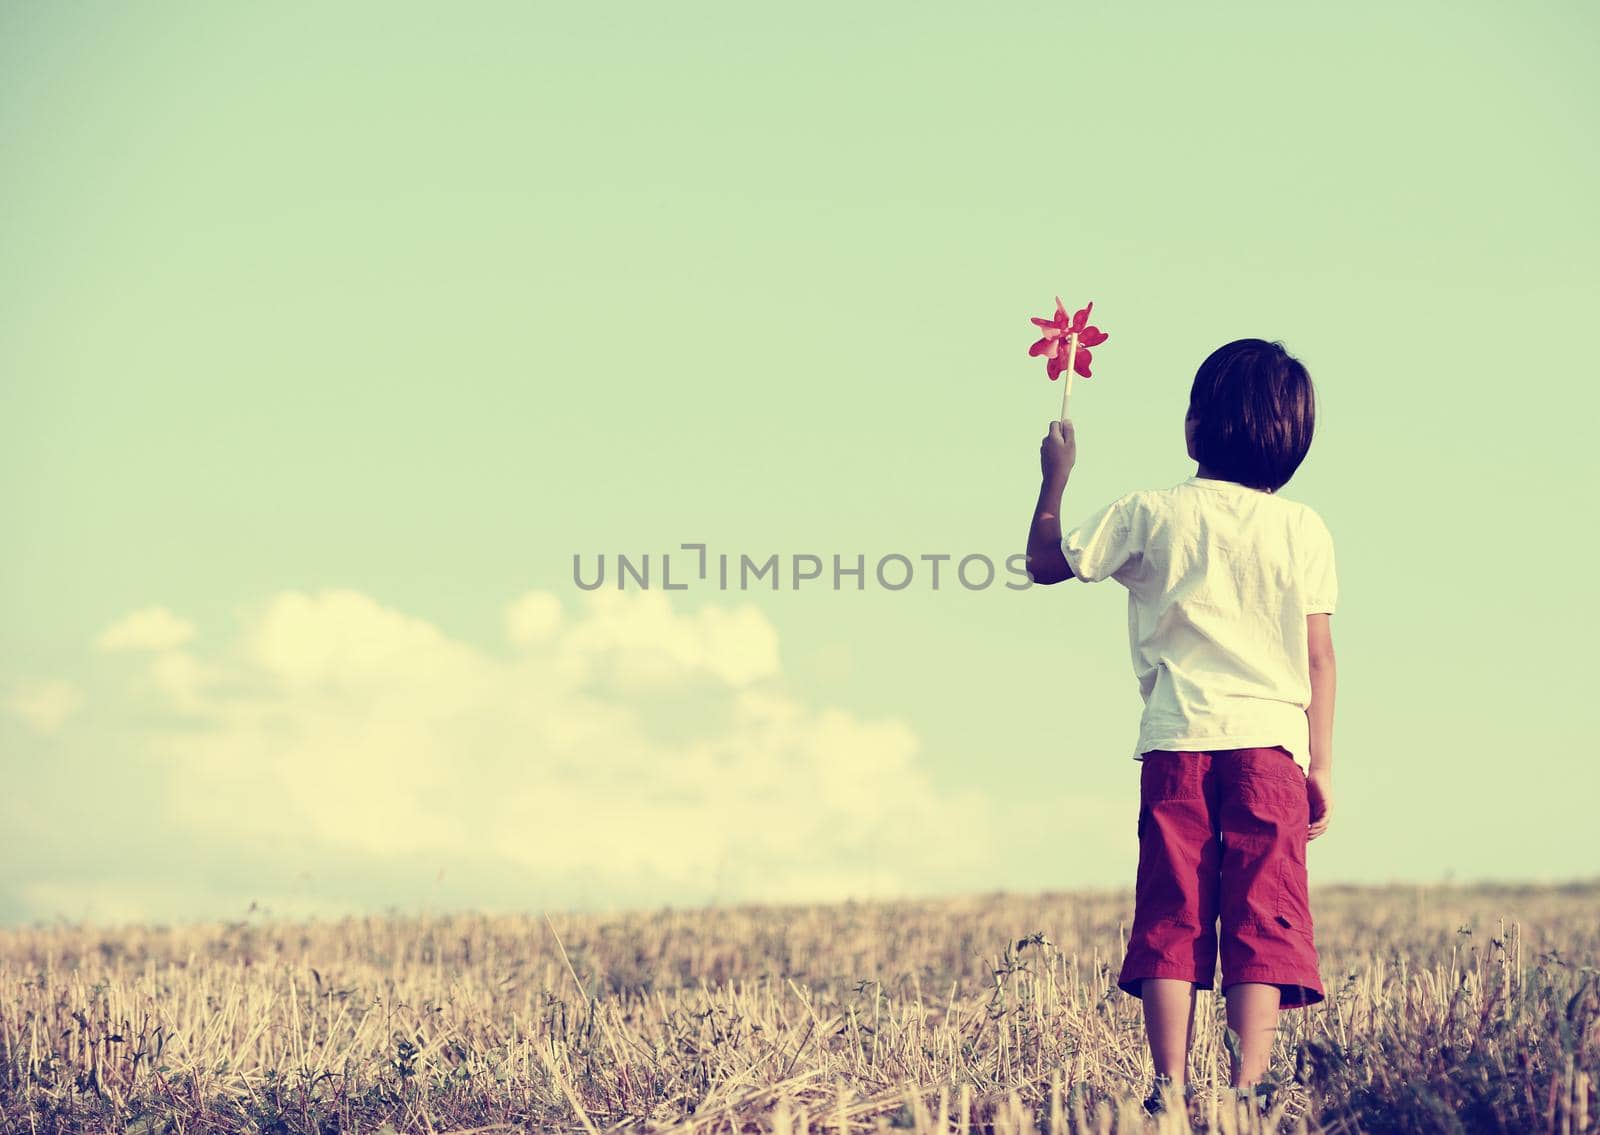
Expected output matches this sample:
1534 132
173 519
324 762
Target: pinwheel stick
1072 357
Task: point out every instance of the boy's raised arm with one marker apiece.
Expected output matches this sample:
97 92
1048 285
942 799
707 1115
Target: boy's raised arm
1057 454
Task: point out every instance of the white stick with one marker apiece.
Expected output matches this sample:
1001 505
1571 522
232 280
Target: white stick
1072 357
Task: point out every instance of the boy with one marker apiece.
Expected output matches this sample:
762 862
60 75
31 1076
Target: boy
1230 589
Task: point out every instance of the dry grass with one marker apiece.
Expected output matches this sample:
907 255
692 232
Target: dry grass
1471 1009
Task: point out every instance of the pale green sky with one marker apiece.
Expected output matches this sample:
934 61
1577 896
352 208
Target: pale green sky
402 306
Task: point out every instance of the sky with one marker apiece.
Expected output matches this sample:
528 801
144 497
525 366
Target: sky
329 337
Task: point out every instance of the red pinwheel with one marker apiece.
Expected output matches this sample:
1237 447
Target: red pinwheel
1067 340
1066 344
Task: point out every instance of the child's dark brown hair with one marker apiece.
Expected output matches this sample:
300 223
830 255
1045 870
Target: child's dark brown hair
1254 410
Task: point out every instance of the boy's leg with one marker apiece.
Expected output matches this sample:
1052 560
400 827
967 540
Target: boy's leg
1169 1024
1253 1015
1269 959
1172 944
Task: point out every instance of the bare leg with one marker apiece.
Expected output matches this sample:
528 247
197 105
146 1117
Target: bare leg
1253 1014
1169 1024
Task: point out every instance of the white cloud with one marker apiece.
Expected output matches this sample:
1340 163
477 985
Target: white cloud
643 640
533 618
340 647
621 751
149 628
45 705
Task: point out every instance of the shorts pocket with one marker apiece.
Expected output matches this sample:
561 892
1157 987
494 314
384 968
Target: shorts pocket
1169 776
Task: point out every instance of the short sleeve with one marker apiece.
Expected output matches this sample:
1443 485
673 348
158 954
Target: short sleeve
1105 543
1319 580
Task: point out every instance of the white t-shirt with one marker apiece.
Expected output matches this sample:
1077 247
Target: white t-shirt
1220 579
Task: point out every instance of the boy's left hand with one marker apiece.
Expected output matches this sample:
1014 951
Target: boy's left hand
1058 452
1319 792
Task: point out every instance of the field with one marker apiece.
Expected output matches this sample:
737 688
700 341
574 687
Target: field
1449 1009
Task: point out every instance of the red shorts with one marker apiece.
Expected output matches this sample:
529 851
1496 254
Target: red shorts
1223 834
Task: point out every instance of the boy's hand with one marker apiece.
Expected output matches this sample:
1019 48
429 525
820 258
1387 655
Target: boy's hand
1319 790
1058 452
